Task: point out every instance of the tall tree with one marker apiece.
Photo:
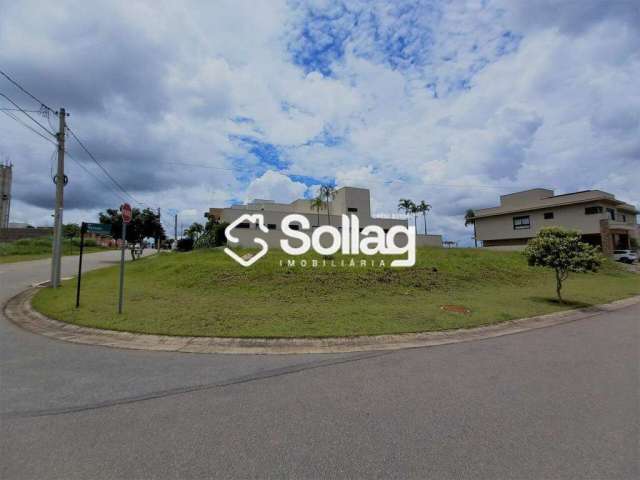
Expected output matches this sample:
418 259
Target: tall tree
194 231
424 207
144 224
327 193
407 207
317 204
469 219
71 230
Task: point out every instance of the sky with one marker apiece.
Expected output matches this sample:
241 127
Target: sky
191 105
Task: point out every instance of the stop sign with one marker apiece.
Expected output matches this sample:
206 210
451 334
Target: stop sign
126 212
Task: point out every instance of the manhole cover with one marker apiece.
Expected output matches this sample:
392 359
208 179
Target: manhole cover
455 309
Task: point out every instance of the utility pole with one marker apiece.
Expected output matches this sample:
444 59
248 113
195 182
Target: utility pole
158 237
60 180
175 227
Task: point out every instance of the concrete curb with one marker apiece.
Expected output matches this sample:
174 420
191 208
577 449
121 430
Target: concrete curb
19 311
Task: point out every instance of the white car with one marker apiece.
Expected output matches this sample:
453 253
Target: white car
626 256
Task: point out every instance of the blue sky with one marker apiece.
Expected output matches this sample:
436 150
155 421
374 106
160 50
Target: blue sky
450 102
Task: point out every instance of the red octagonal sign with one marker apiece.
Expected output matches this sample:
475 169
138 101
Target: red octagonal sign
126 212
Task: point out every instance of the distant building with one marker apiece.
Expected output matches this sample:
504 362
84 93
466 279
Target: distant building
5 194
602 219
348 201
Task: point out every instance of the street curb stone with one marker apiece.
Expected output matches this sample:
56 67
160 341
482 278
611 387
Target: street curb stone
20 312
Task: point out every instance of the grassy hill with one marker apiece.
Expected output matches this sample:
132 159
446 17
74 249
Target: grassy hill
207 293
35 248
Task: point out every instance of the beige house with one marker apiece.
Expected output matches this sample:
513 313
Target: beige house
601 218
348 201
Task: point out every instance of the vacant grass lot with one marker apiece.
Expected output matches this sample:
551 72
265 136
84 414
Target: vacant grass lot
35 248
207 293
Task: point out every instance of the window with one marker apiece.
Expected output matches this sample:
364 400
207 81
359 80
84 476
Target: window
294 226
548 215
624 218
352 209
521 223
271 226
612 213
243 225
592 210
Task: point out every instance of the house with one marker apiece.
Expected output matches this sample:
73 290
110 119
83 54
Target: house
602 219
348 201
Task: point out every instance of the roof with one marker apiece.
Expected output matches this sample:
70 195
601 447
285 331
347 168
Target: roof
584 196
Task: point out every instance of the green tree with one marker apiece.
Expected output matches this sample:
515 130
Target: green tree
71 230
564 252
317 204
144 224
328 193
194 231
469 219
423 207
407 207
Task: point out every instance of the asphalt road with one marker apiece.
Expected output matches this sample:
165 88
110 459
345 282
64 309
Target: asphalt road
560 402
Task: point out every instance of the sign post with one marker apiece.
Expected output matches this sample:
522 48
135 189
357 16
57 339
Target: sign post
99 228
83 228
125 209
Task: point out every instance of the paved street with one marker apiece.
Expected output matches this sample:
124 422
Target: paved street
561 402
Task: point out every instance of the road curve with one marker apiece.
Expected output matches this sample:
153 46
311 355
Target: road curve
560 402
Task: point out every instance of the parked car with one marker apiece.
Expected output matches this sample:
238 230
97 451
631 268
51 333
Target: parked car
625 256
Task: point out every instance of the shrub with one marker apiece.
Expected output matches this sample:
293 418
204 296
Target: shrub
214 236
185 244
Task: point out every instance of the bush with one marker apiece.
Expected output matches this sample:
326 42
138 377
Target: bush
219 235
88 242
213 237
185 244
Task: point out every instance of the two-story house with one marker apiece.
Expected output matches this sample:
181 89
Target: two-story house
601 218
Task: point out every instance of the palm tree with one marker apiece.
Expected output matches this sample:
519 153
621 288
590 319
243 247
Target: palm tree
328 193
317 204
414 212
469 220
423 208
194 231
407 206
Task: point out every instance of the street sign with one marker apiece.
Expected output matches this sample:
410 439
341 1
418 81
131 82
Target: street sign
126 212
98 228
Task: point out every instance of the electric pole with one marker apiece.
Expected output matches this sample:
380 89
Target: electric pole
175 227
158 237
60 180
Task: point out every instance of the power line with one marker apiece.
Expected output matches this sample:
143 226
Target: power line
77 162
24 90
106 172
95 177
19 110
10 115
27 114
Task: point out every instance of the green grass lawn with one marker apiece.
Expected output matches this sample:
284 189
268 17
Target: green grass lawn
36 248
207 293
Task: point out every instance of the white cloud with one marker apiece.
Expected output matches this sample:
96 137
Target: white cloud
453 103
275 186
